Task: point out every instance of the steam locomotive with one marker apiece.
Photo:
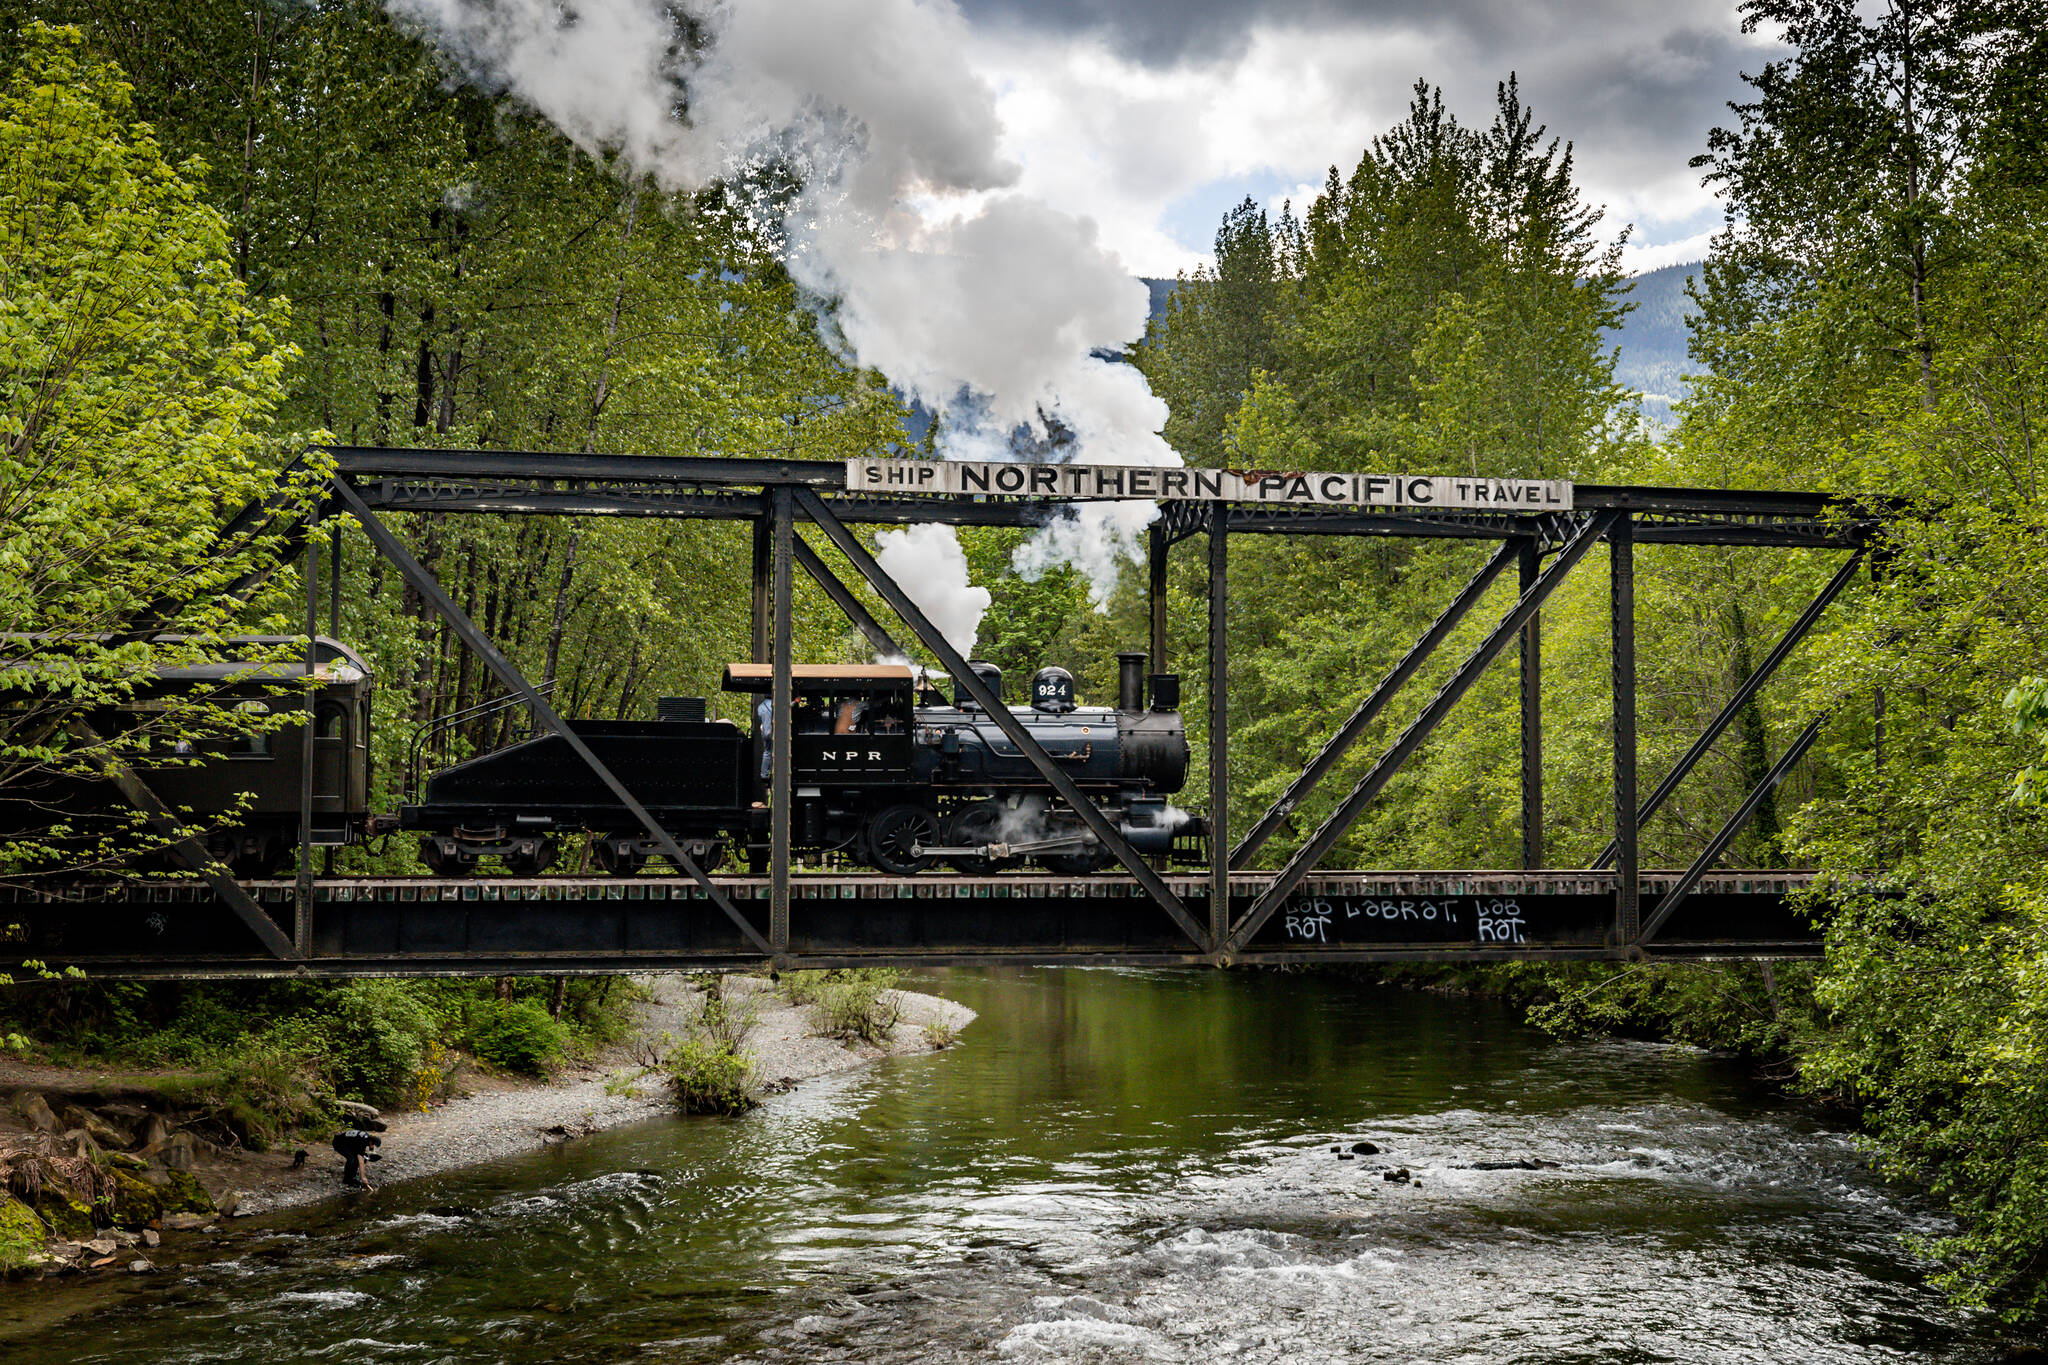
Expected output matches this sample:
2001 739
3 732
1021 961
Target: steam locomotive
886 771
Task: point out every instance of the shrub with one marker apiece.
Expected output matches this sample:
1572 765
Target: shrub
726 1022
802 988
518 1035
857 1006
709 1079
373 1034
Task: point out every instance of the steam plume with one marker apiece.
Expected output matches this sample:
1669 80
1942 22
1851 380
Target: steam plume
928 562
985 304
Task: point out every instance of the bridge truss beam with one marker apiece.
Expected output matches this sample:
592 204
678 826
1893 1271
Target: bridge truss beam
1226 914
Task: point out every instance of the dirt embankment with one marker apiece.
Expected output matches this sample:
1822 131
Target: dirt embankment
107 1172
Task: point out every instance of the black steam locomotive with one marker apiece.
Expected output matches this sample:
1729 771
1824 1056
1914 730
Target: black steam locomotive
885 771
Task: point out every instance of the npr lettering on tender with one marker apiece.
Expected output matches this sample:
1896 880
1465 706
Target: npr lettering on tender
1089 483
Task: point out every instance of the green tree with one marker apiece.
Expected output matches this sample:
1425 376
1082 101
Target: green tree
1875 321
138 391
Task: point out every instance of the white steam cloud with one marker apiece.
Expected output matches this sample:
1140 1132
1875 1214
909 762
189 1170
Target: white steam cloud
985 304
928 562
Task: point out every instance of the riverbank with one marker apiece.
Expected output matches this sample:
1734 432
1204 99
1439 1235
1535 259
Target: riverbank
85 1113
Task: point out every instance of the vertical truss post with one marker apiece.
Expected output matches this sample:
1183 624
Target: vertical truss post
1219 724
334 629
1877 563
780 748
1622 606
1530 559
334 580
1157 547
763 542
302 901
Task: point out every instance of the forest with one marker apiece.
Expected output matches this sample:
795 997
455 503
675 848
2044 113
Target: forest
233 233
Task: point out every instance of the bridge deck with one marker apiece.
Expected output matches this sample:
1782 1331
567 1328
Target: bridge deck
424 925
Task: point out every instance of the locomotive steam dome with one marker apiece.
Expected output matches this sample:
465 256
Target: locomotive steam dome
1052 690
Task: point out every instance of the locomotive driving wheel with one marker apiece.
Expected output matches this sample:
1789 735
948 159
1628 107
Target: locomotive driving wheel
1079 864
894 832
979 823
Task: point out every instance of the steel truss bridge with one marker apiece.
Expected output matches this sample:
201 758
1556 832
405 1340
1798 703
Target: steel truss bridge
208 924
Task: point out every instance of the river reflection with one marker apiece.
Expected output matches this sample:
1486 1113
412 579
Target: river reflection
1119 1166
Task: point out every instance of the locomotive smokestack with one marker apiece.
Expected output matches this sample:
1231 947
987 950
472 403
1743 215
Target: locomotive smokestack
1130 682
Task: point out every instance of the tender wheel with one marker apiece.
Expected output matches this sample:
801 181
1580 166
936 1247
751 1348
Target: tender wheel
444 859
976 824
615 860
260 864
531 862
893 833
709 856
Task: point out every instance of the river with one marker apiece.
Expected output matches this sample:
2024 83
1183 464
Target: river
1117 1166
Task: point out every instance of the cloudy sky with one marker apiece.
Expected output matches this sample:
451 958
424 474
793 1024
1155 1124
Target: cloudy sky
1155 116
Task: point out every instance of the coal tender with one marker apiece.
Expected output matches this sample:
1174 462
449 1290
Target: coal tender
885 770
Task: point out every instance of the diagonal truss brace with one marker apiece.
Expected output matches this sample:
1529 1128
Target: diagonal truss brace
1061 782
1750 687
1348 734
842 597
466 630
1411 739
189 850
1718 845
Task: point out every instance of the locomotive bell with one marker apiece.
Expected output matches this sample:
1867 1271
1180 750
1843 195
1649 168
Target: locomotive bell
1052 690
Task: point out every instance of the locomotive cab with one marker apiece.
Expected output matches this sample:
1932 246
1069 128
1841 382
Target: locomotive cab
850 724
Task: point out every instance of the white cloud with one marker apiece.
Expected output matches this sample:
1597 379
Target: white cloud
1121 141
1640 260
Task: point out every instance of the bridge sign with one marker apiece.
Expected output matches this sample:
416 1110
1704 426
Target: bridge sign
1101 482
